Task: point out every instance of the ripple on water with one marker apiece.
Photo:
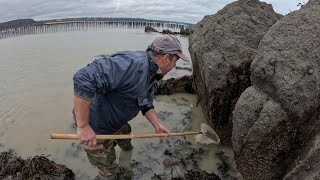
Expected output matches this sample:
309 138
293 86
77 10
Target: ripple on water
3 89
25 71
9 114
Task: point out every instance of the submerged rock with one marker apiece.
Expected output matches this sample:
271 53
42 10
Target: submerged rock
198 175
181 163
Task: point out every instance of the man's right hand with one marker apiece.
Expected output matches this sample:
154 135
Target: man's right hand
86 136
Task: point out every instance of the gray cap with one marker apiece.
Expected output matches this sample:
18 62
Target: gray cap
168 44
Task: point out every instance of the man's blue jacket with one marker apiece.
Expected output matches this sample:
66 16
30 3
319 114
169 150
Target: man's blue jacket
119 87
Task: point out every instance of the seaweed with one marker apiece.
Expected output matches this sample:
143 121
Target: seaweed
33 168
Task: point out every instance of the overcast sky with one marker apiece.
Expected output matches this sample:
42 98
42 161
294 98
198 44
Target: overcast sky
191 11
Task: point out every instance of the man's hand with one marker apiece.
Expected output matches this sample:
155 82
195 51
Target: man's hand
85 133
161 129
86 136
158 126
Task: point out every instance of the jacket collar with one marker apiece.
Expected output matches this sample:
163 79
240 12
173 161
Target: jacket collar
153 66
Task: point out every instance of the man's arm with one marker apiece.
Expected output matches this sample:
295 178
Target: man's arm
85 133
154 120
100 76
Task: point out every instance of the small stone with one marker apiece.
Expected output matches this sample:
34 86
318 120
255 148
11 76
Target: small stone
308 168
310 71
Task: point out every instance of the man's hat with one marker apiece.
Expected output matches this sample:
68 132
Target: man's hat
168 44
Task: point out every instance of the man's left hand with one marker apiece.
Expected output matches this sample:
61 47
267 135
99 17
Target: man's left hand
161 129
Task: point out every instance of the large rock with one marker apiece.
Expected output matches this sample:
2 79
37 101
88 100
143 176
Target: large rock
277 120
222 48
257 117
287 65
311 3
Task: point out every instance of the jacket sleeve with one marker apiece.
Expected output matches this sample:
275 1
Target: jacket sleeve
151 93
101 76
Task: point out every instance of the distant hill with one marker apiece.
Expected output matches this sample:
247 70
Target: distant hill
17 23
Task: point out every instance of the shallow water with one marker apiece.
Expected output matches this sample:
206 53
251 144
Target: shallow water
36 99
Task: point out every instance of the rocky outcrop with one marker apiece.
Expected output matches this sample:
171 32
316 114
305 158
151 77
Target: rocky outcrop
222 47
149 29
167 31
183 31
311 3
276 121
175 85
187 31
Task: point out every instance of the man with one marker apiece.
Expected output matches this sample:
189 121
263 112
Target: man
112 90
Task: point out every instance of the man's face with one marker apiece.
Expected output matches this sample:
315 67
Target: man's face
168 63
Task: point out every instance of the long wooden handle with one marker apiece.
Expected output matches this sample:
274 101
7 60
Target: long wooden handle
124 136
